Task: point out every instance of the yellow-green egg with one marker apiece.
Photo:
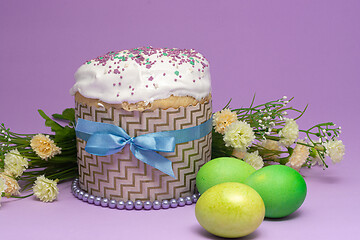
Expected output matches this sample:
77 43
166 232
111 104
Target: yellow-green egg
221 170
230 210
282 189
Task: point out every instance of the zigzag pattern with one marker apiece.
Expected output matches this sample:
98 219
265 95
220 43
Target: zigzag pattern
123 177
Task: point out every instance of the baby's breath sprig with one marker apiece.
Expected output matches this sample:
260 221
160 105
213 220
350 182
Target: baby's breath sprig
318 136
274 135
10 141
267 117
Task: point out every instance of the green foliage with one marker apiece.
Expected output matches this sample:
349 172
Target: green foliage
61 132
62 166
67 114
218 148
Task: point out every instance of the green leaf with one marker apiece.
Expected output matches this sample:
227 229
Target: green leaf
61 133
218 146
55 127
67 114
66 133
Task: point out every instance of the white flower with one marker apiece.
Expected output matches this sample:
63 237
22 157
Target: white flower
2 187
45 189
15 164
289 133
239 135
254 160
299 156
44 147
335 149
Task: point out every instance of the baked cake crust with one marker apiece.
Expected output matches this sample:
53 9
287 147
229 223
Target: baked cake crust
170 102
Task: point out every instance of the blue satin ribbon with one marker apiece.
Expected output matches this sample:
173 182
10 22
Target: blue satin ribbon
105 139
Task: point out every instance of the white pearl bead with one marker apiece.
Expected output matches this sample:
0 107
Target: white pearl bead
104 202
112 203
138 204
156 205
85 197
120 205
173 203
165 204
129 205
81 194
181 202
97 201
91 199
147 205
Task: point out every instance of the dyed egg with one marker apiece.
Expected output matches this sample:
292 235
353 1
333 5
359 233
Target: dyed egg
221 170
282 188
230 210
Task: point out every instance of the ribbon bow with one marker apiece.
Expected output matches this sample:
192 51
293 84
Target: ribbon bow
105 139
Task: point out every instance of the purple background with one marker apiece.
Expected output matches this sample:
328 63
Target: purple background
309 49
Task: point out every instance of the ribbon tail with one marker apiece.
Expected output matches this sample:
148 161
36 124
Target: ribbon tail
153 159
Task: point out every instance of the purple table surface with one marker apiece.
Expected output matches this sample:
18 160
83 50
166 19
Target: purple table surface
309 49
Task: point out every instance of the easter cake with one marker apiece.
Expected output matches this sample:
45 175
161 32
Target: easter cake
143 92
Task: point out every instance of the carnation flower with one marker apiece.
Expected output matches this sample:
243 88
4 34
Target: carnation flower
222 119
45 189
15 164
271 145
289 133
2 187
239 135
12 186
44 147
254 160
335 149
299 156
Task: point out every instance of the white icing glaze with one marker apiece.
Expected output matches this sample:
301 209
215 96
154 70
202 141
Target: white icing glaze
126 75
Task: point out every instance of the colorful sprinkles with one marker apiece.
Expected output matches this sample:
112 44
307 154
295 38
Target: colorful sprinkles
147 57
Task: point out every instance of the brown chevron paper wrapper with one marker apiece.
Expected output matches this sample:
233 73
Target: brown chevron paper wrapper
121 176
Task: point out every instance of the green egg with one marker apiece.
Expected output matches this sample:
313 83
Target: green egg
221 170
282 189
